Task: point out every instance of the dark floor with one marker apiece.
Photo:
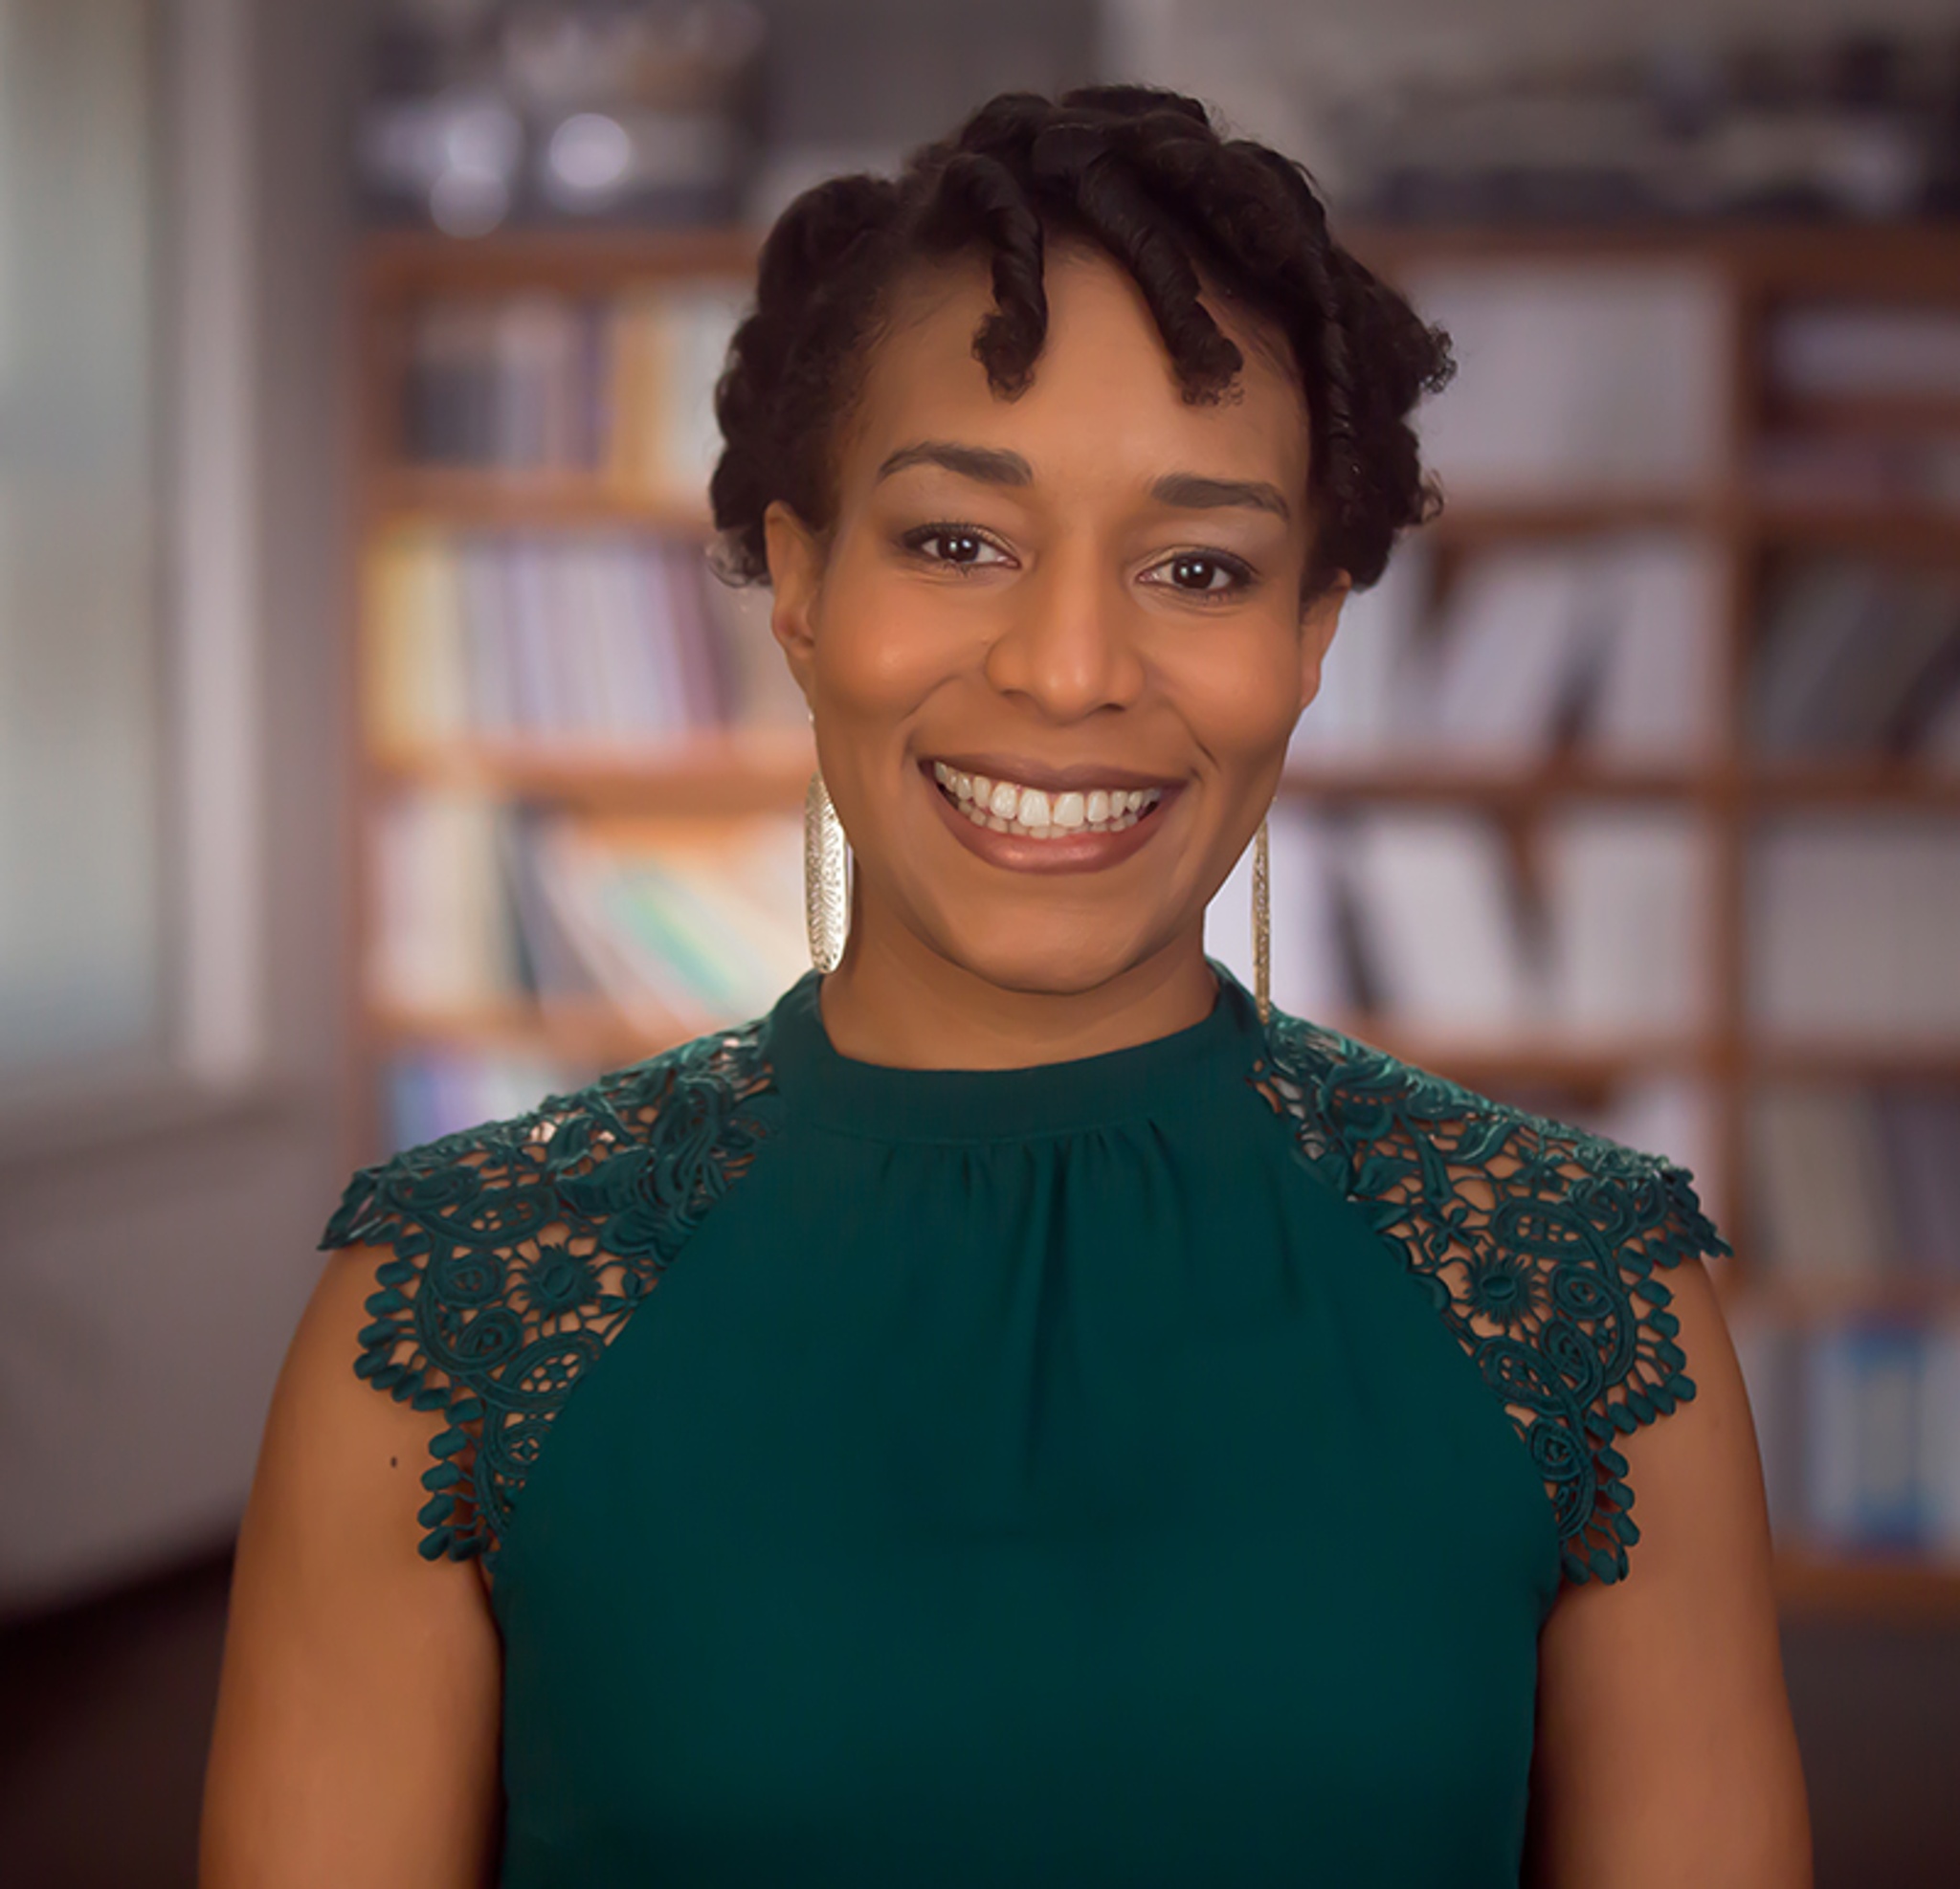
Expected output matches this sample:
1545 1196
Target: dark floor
105 1710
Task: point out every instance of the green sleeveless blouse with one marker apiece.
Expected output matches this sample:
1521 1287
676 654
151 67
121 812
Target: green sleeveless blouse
1146 1470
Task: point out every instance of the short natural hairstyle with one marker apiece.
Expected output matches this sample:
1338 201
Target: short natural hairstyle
1144 174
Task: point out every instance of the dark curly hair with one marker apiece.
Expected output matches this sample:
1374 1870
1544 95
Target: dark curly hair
1142 174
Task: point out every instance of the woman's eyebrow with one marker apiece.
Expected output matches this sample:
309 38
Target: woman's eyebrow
990 465
1192 492
1195 492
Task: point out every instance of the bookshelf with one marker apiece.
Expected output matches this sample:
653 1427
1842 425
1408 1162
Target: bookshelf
1728 792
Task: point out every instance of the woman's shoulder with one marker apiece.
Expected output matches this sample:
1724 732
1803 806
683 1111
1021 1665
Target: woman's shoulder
1543 1247
508 1256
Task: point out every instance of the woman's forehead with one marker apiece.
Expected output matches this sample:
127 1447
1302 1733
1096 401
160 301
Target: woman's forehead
1103 362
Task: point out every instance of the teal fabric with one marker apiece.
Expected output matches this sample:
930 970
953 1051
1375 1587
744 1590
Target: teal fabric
1152 1469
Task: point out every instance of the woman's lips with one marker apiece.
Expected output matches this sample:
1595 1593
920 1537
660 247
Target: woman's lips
1066 829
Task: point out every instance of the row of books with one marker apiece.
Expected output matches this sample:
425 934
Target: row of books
1424 918
1597 376
1859 657
1414 917
1858 1425
1857 1184
1609 647
673 925
605 637
545 383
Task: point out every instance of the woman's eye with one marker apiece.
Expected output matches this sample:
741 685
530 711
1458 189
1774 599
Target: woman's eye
1201 574
955 545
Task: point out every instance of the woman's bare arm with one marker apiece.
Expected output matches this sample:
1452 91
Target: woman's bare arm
1665 1749
357 1727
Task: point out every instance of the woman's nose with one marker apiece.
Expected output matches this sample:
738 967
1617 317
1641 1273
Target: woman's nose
1068 646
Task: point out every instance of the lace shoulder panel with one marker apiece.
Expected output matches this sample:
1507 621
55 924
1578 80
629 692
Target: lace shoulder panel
517 1250
1540 1246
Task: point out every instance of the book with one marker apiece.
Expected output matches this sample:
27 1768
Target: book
1852 923
1920 1130
1864 1444
1627 896
1440 921
1851 349
607 636
1939 1450
1596 376
684 925
1823 1190
1309 954
1770 1353
1514 643
1366 703
539 383
1655 695
443 943
1847 649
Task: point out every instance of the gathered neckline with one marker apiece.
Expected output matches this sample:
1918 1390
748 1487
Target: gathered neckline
839 1094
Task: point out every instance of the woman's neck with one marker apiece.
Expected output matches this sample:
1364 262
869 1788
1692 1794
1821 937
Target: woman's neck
896 1001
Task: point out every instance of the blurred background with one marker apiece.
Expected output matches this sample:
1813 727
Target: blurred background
376 751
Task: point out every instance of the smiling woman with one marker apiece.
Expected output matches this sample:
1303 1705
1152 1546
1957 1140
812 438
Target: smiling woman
1086 1431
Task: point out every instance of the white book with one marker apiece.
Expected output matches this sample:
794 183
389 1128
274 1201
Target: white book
1593 375
703 322
1656 696
639 707
1440 921
1628 900
765 695
443 940
1517 635
1309 959
1367 700
483 587
573 608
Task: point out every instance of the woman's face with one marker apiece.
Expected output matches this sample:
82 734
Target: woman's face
1054 646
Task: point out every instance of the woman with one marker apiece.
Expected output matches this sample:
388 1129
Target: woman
1083 1431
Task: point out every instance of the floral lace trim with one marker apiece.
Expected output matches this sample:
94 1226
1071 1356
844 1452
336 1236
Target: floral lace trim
1540 1245
520 1249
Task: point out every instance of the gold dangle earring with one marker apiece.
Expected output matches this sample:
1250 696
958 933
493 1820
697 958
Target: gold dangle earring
1263 925
826 877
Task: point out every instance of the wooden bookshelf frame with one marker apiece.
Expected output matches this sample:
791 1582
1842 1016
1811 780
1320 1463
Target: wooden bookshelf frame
1727 791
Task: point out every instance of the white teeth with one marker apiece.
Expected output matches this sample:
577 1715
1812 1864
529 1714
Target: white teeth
1034 813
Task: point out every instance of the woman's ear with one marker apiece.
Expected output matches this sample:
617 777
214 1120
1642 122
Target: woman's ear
796 570
1318 623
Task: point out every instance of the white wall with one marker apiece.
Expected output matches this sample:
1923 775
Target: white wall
152 1263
